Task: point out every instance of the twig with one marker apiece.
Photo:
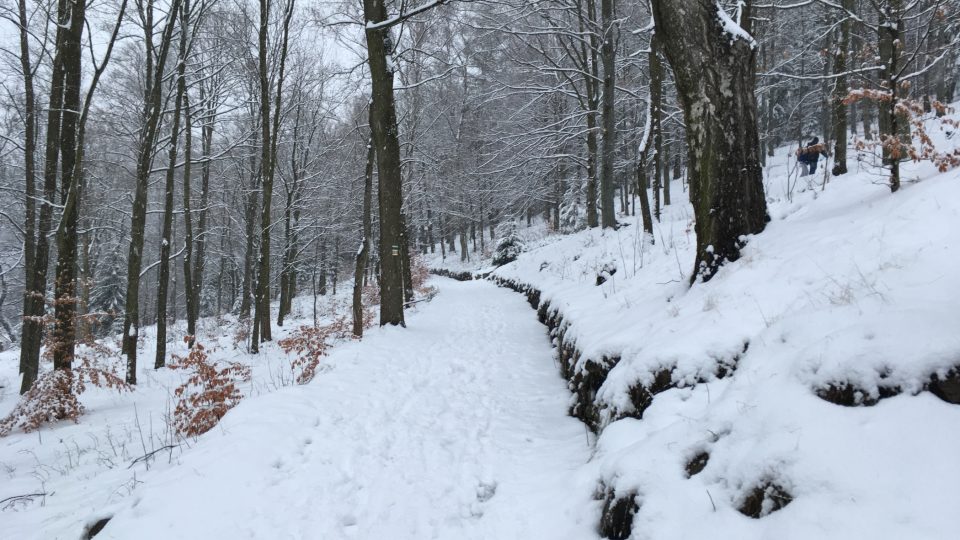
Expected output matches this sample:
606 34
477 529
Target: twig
15 498
149 455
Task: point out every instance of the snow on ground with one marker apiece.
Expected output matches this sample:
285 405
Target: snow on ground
848 284
91 466
454 427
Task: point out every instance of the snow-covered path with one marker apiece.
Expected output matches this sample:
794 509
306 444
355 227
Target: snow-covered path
453 428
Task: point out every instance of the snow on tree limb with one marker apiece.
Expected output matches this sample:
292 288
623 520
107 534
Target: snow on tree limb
399 18
732 28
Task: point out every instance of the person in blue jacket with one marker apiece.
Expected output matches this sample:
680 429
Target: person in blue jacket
810 154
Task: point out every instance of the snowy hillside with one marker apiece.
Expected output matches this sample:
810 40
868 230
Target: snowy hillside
805 376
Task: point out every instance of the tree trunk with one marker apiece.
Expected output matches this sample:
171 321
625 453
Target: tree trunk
666 171
656 119
363 255
840 92
464 254
270 134
189 288
33 313
714 74
291 217
200 239
29 364
890 45
334 274
286 302
71 156
383 126
644 200
163 272
84 330
153 109
641 171
591 78
442 238
250 217
608 215
405 255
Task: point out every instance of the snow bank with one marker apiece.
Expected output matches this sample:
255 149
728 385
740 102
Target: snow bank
849 295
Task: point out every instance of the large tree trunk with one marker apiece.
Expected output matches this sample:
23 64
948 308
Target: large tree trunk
840 91
152 111
591 78
608 216
71 142
383 125
73 125
261 296
714 74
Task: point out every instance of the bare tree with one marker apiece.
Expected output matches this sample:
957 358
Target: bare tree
268 160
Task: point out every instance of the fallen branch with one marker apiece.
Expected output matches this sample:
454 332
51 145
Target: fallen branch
149 455
6 503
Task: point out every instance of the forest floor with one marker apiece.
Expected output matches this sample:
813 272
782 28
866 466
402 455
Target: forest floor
455 427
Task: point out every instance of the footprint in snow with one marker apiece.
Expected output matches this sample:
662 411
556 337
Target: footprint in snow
486 491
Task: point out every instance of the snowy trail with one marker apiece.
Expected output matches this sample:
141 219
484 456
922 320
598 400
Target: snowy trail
454 428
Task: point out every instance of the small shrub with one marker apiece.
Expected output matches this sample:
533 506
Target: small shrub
310 344
419 274
242 333
55 395
208 393
51 398
510 244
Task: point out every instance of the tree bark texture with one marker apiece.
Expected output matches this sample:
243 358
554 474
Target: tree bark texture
714 74
383 126
608 216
